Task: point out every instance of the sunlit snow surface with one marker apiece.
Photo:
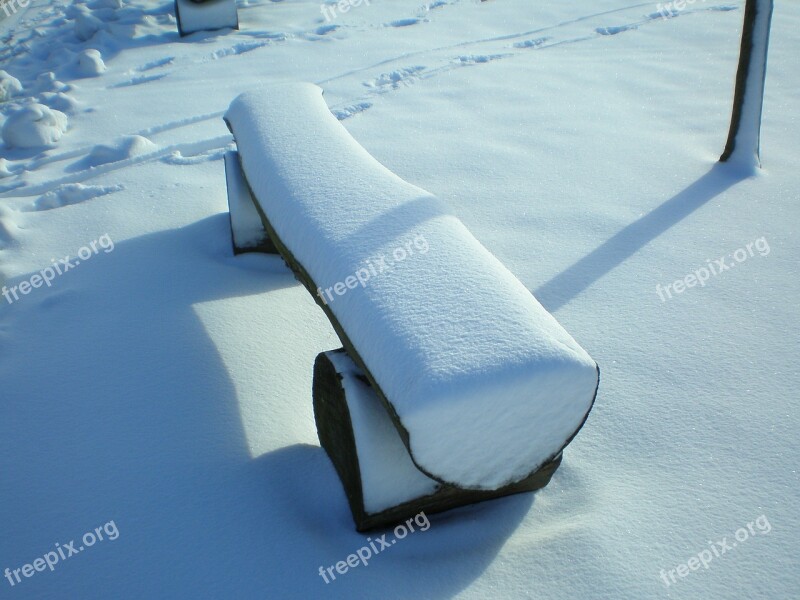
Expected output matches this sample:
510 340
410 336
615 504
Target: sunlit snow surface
166 385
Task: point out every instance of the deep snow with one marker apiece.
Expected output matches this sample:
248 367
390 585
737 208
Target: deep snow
165 385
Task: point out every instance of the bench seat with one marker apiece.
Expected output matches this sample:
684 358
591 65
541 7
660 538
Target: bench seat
482 384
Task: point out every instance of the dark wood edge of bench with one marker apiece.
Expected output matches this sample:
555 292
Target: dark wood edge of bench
335 430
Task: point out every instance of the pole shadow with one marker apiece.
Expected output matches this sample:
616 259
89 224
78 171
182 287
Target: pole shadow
621 246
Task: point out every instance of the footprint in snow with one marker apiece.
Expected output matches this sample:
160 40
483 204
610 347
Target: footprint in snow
155 64
138 80
535 43
179 159
436 4
406 22
474 59
665 14
615 30
326 29
72 193
237 49
349 111
395 78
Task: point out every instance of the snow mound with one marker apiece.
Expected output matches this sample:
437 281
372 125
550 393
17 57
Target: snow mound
47 82
89 63
73 193
483 383
33 126
4 170
9 86
127 147
86 25
60 101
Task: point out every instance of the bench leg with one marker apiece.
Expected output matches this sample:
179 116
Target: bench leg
247 230
353 428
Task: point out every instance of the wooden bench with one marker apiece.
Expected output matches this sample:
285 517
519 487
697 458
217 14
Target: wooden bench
455 385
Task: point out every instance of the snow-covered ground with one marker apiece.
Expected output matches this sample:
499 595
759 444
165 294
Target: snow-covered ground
158 393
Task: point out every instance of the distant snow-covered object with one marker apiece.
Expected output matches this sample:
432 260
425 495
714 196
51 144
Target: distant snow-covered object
208 15
9 86
33 126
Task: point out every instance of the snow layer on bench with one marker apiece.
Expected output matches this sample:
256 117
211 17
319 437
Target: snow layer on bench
388 475
484 380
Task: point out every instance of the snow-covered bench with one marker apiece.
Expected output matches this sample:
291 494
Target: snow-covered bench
481 385
205 15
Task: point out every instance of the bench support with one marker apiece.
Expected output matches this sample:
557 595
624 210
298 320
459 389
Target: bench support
247 230
344 440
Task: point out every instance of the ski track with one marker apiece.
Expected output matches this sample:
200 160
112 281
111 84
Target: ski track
189 153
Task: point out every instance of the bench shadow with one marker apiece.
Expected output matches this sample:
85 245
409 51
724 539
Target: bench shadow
399 221
309 509
127 412
572 281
